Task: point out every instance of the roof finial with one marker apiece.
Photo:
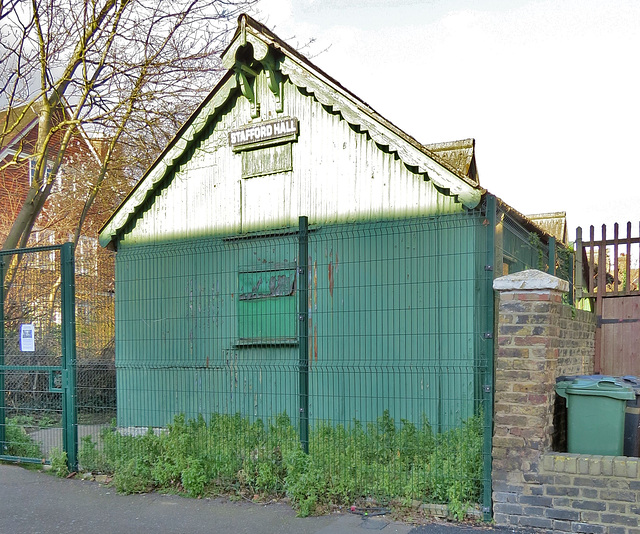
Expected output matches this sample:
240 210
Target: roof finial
243 29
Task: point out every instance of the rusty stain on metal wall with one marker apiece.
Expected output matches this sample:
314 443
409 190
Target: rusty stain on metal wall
310 344
315 342
315 285
312 304
331 274
315 309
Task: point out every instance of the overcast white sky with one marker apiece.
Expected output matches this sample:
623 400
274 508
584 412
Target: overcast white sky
550 90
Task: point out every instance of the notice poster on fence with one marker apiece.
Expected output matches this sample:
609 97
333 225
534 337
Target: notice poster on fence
27 341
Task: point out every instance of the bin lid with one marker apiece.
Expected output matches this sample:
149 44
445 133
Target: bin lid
563 381
603 387
571 378
630 380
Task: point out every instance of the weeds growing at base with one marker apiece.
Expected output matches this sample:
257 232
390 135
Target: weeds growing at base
378 462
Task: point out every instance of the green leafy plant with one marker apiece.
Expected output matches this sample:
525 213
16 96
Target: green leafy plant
58 460
305 483
90 457
230 454
195 477
18 442
536 244
46 421
132 476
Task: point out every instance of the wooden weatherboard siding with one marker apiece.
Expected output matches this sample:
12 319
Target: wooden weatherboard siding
392 318
394 259
337 175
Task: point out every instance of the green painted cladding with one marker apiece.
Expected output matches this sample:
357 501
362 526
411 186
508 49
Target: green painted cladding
178 348
391 320
209 325
522 249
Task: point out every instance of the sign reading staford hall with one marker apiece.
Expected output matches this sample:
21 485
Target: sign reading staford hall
264 131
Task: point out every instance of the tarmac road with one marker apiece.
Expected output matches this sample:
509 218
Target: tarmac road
34 502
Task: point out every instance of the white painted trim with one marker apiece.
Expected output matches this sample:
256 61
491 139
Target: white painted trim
163 166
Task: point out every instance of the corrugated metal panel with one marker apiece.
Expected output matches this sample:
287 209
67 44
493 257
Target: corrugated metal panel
338 175
395 315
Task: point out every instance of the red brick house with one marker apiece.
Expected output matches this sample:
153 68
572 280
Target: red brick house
57 221
18 137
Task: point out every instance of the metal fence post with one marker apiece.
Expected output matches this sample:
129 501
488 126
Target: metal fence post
69 410
3 421
488 383
552 256
303 330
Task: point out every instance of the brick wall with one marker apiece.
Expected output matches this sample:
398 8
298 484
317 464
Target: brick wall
540 338
14 184
591 494
79 165
576 344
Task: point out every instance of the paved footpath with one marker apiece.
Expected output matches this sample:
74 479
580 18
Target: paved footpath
33 502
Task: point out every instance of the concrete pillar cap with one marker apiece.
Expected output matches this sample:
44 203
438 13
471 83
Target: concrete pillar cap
531 280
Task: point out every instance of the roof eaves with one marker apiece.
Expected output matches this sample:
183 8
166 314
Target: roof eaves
167 159
458 154
24 119
326 90
384 133
263 38
29 120
524 219
553 223
8 147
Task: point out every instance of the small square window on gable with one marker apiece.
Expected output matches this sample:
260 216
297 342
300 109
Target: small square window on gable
267 307
268 160
265 146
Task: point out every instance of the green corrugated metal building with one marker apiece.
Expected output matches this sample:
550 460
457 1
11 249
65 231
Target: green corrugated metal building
225 305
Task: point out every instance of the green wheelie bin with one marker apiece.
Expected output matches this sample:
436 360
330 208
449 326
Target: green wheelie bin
595 414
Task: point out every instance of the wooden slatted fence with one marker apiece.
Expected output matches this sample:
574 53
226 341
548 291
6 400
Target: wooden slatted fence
607 272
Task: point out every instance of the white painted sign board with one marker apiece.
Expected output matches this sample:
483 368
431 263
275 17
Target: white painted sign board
27 340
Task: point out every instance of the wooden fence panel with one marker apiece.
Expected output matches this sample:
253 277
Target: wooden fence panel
607 271
620 342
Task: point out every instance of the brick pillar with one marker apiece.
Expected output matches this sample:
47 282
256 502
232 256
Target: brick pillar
529 340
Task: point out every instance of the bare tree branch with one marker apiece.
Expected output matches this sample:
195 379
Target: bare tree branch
124 71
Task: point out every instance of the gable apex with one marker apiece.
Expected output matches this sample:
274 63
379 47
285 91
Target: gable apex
305 75
255 51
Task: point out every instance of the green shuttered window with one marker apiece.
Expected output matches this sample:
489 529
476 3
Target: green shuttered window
267 308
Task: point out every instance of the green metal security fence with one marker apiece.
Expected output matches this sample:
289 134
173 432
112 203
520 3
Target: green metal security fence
37 354
520 247
337 364
367 348
58 385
